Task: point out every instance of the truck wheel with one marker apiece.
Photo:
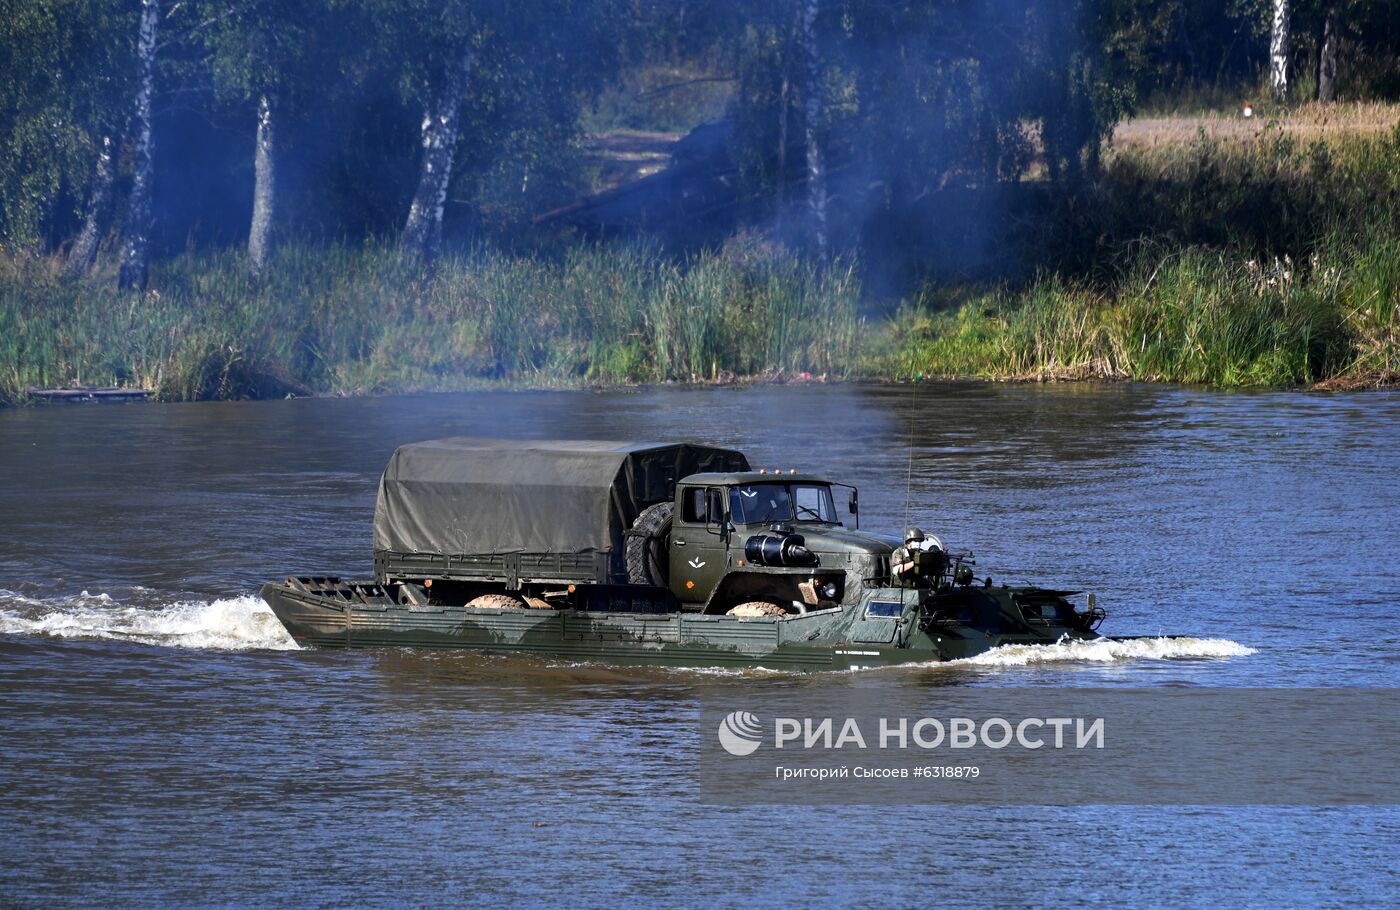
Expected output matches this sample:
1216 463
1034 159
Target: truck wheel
757 608
645 548
497 602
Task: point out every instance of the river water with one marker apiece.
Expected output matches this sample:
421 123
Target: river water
163 742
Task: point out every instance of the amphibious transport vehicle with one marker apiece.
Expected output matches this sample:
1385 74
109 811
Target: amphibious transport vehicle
641 553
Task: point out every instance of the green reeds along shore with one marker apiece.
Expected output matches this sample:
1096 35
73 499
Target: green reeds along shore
1195 316
1269 263
363 321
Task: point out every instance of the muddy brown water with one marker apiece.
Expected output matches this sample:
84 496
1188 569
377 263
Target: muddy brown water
162 742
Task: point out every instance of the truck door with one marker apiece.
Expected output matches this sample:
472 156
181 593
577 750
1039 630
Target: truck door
698 553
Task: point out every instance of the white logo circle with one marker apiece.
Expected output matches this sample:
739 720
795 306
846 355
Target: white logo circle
740 733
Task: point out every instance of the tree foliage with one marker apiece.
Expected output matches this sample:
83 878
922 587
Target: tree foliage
915 97
65 72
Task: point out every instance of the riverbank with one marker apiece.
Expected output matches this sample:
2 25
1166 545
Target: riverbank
1192 316
365 322
1254 262
1249 259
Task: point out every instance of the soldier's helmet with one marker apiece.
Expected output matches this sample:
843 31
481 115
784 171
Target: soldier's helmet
914 535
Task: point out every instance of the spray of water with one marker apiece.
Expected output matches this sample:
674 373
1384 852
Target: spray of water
1106 650
228 624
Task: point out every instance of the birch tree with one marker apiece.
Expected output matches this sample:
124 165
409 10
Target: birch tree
1278 52
784 114
816 161
64 90
83 253
422 231
433 46
260 228
499 89
136 249
269 58
1327 57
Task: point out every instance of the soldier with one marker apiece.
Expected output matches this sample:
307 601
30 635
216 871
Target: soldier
922 555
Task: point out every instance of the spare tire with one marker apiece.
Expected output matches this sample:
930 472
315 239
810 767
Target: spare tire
646 546
496 602
757 608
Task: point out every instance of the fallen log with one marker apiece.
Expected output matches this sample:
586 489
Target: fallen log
96 394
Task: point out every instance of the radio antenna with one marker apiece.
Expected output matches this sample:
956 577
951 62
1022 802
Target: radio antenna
909 471
908 482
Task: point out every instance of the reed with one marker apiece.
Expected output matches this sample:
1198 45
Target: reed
1194 316
345 320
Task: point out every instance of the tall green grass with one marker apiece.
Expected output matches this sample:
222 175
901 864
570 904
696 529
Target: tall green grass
351 321
1194 316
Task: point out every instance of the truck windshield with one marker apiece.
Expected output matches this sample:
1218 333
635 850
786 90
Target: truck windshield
763 503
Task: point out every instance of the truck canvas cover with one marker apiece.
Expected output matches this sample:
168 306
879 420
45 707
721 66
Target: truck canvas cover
493 496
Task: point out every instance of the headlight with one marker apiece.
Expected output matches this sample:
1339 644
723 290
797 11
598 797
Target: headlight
828 590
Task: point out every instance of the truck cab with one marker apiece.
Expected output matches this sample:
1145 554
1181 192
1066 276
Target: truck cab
757 536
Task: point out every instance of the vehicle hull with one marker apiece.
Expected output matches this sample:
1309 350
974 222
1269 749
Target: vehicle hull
840 638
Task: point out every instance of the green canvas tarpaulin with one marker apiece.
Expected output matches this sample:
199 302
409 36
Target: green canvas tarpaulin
490 496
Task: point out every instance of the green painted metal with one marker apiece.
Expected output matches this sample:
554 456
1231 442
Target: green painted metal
930 627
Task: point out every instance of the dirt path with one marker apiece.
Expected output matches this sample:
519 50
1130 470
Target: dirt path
622 156
1305 123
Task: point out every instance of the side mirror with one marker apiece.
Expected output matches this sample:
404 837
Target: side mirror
720 527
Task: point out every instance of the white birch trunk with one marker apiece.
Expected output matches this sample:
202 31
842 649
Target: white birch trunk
1278 52
422 231
782 141
260 231
136 251
1327 58
84 251
816 164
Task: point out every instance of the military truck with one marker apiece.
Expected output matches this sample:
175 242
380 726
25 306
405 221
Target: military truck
654 553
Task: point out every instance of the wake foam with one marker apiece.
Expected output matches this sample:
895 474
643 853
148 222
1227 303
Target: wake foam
226 624
1105 650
